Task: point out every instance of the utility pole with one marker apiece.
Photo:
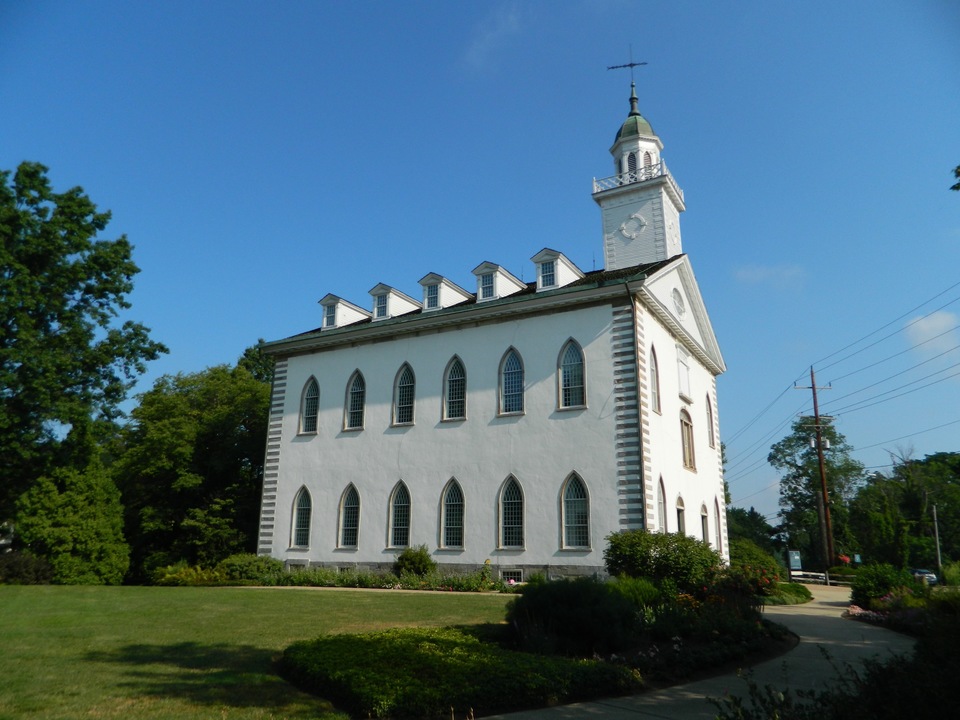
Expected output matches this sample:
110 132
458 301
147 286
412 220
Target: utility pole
824 500
936 534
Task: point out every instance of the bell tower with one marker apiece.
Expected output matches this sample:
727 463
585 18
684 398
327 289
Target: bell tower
640 204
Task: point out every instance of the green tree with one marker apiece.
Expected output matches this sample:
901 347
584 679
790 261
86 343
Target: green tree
190 468
74 519
64 358
956 174
751 525
800 488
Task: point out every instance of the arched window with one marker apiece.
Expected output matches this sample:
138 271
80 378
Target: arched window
572 389
686 437
718 537
681 520
400 517
511 383
704 524
301 519
647 160
576 514
356 399
654 381
661 506
451 522
350 518
310 407
632 163
455 391
403 395
711 436
511 515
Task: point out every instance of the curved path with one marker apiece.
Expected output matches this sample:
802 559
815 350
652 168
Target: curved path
819 625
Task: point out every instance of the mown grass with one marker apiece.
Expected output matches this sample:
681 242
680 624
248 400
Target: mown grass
150 652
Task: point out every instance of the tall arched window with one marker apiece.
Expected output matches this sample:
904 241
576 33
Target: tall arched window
654 381
350 518
704 524
511 515
455 391
681 520
404 390
356 399
310 407
576 514
718 537
451 532
400 517
686 437
301 519
572 387
632 162
662 506
511 383
711 436
647 160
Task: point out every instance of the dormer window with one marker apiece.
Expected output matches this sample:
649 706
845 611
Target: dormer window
486 286
330 316
548 274
380 307
431 296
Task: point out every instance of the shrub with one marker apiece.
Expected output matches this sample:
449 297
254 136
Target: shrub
414 561
574 617
183 574
247 567
951 574
873 582
686 561
757 568
789 594
423 673
21 568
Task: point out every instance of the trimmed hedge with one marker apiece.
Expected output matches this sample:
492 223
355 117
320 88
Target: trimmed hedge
423 673
673 557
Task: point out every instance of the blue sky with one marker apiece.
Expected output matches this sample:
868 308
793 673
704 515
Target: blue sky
260 155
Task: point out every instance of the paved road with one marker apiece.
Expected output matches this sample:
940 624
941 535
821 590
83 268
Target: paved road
818 624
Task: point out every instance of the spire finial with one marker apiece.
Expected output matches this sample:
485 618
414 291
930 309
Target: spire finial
633 85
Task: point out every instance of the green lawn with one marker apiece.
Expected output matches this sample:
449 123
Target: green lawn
151 652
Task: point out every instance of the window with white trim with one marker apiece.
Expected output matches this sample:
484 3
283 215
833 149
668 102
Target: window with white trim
511 515
511 383
310 407
455 391
572 389
548 273
403 396
683 369
356 399
330 316
301 519
576 514
486 286
718 538
662 506
451 532
704 524
380 307
686 438
711 436
681 520
350 518
400 517
432 296
654 381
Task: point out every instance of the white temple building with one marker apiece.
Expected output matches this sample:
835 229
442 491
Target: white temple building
520 423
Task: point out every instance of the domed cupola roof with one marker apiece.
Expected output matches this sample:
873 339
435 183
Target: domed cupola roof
635 124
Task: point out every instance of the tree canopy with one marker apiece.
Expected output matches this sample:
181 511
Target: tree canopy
65 359
800 487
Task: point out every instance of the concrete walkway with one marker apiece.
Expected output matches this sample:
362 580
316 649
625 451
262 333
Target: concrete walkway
819 624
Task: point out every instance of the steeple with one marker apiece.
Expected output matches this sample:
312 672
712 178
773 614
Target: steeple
641 203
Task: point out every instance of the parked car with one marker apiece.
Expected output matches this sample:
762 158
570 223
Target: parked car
925 576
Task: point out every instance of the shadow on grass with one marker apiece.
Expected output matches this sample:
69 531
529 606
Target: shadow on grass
238 676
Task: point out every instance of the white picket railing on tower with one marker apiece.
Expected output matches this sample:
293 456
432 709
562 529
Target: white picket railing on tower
641 174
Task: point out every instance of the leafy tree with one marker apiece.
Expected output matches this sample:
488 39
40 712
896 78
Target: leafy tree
751 525
877 522
956 174
800 487
63 357
74 519
190 468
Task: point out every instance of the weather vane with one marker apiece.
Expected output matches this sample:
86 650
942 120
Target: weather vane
630 64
